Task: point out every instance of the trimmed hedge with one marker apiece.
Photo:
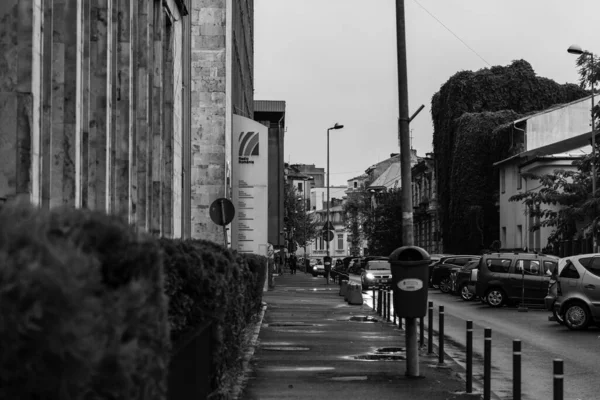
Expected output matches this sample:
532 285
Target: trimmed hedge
83 305
205 281
84 315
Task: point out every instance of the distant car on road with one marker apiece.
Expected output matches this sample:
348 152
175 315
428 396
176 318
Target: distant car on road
462 282
318 268
376 273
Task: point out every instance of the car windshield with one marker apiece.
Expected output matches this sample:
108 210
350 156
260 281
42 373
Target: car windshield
378 265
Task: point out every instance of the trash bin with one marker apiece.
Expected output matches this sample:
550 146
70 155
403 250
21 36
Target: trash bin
410 277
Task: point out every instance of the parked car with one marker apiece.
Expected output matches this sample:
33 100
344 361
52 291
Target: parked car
463 280
435 258
513 277
376 273
318 268
578 291
553 289
339 270
440 272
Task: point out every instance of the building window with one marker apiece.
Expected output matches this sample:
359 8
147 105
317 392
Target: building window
520 236
340 245
355 184
503 238
299 186
502 180
519 181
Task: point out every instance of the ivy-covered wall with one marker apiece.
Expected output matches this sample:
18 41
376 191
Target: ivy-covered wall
466 111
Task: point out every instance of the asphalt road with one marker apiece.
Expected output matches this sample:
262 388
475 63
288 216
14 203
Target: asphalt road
542 341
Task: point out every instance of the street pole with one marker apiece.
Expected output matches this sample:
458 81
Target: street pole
327 199
594 234
412 345
304 201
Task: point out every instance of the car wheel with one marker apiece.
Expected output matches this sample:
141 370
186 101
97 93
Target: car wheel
577 316
495 297
558 318
445 285
465 293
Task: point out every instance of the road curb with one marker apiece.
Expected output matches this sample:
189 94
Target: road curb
248 355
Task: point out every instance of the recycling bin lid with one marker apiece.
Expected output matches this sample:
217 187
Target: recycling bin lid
410 255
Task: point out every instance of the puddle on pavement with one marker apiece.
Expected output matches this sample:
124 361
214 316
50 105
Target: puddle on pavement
391 350
349 378
284 348
360 318
380 357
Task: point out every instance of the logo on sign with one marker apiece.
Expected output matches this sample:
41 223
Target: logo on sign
410 285
248 147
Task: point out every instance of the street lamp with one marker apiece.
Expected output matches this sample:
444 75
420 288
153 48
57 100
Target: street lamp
575 49
336 126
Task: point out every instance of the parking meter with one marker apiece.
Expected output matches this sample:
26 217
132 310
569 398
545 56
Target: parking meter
410 277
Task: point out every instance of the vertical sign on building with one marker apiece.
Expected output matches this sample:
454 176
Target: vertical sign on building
250 185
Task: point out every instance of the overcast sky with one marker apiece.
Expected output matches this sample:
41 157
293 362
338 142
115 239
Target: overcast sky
335 61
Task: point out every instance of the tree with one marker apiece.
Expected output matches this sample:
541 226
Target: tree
375 220
299 225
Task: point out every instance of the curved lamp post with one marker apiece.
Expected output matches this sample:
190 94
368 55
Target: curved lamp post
575 49
336 126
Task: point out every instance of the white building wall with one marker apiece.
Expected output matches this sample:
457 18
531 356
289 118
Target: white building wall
513 214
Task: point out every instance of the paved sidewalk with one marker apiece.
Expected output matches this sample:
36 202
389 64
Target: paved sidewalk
308 348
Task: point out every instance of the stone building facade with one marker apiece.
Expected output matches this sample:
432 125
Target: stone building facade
123 106
426 221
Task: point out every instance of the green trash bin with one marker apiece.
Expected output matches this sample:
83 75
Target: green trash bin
410 277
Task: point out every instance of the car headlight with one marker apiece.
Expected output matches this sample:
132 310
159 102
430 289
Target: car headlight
315 268
370 276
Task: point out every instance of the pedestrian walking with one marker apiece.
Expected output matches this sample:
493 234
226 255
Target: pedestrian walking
327 268
293 264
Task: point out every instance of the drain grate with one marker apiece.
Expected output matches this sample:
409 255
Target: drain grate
391 350
380 357
363 319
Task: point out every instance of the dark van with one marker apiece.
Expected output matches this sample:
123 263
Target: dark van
512 278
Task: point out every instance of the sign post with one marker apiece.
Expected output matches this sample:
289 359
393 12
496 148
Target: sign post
221 213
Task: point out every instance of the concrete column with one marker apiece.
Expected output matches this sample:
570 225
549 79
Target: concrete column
20 98
122 105
157 127
208 105
85 41
143 157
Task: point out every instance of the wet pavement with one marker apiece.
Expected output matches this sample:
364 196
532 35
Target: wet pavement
313 345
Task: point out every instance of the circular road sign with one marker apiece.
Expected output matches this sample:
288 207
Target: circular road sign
222 211
328 235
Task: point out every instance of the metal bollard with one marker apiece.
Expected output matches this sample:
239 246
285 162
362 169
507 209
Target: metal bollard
558 379
421 332
389 303
469 356
441 336
487 364
383 309
379 301
374 309
430 328
516 369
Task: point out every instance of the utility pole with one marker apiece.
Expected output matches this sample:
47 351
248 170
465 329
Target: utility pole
412 348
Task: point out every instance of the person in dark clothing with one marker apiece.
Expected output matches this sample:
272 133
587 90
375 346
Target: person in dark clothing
293 264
